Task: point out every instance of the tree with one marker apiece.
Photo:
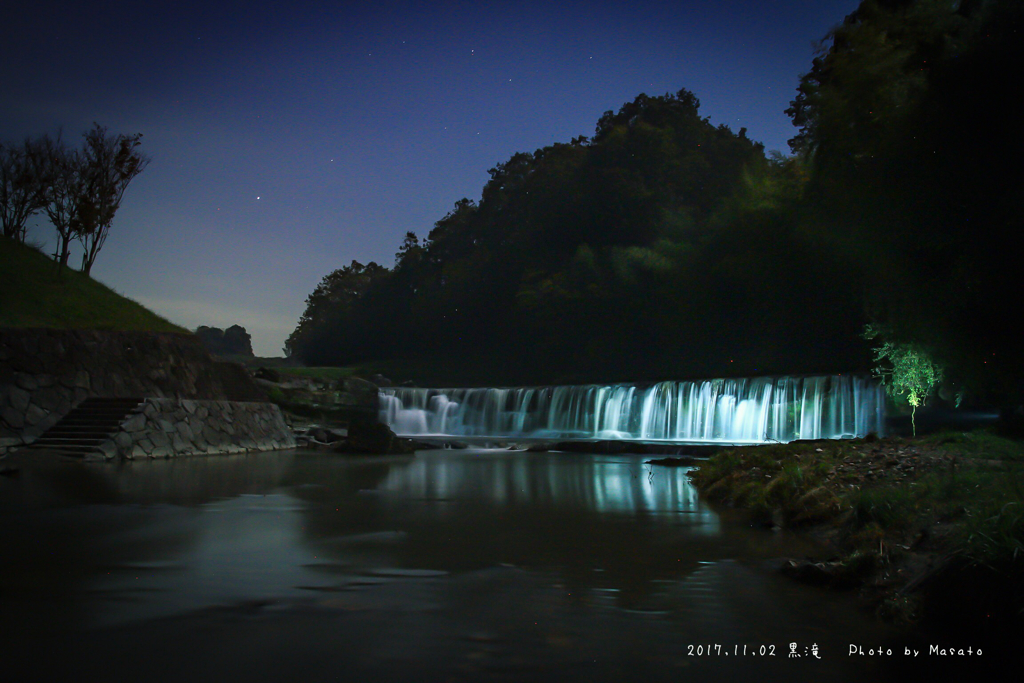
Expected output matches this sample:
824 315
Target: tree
111 163
23 182
409 252
917 179
66 193
908 369
234 341
333 299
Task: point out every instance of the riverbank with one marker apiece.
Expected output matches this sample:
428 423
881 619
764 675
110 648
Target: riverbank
929 530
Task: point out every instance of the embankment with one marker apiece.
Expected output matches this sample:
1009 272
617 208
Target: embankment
44 373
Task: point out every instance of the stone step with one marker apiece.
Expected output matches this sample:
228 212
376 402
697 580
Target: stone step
91 423
69 450
80 421
50 440
111 415
94 435
85 427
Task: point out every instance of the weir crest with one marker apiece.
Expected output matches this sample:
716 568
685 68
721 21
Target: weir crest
755 410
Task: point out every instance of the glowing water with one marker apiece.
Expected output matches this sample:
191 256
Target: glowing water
730 410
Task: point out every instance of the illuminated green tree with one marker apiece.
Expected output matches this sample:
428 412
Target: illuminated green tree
907 369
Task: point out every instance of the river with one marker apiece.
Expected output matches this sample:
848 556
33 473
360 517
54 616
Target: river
447 565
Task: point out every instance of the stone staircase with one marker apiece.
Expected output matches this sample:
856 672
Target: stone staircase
82 430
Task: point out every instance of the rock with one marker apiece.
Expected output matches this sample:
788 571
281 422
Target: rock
674 462
268 374
184 431
425 445
26 381
19 398
135 423
373 438
817 573
35 415
48 398
364 392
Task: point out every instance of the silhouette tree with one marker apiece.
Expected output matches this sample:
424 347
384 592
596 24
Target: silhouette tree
66 192
23 182
111 163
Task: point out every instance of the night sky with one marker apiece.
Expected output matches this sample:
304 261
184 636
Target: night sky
289 138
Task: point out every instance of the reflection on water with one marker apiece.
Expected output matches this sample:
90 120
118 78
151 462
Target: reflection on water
427 550
593 483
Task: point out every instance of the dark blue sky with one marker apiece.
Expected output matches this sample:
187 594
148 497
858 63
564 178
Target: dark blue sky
289 138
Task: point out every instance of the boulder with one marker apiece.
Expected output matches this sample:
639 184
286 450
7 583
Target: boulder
267 374
373 438
363 392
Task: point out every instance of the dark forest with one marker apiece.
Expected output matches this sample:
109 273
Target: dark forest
666 247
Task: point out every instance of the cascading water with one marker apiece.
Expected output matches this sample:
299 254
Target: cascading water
720 410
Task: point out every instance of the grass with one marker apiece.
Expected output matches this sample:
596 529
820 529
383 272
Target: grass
787 479
980 443
34 294
954 494
321 373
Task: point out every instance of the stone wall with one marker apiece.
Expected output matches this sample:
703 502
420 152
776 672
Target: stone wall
164 428
45 373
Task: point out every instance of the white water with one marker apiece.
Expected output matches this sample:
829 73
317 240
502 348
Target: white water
721 410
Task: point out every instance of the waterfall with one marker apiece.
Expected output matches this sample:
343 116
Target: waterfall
751 410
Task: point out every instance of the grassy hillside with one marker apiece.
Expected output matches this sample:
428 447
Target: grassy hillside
32 294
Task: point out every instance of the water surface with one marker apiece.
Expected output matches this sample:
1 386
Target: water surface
449 565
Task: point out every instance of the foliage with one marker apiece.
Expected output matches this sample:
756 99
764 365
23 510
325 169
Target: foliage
908 371
110 162
662 246
66 193
80 190
665 246
234 341
33 295
333 300
23 179
916 183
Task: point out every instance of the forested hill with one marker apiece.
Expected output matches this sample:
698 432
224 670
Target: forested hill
662 247
665 247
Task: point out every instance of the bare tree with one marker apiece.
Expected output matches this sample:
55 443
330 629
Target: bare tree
23 183
111 162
